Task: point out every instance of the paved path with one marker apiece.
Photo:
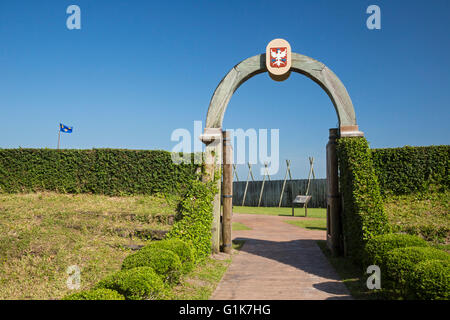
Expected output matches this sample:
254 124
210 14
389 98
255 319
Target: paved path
279 261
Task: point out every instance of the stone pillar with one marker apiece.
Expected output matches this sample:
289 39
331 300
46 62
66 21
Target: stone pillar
212 137
334 228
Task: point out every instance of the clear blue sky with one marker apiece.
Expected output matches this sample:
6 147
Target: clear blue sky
137 70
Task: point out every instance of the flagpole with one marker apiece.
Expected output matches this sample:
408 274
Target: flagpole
59 134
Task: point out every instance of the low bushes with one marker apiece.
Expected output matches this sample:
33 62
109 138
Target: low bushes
144 274
136 284
410 268
96 294
430 280
400 262
164 262
180 248
378 247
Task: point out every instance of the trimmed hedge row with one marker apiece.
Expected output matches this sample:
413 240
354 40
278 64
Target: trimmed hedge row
410 268
431 280
401 261
412 169
165 263
96 294
193 224
363 215
180 248
136 284
98 171
378 247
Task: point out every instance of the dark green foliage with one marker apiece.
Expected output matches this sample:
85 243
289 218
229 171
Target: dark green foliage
96 294
412 169
430 280
377 247
194 223
180 248
164 262
363 215
98 171
400 262
136 284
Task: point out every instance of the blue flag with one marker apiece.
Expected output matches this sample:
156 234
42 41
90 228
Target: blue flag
65 129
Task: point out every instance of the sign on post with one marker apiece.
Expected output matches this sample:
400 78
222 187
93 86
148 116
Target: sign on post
301 200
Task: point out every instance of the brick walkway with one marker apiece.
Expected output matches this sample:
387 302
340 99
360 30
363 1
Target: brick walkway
279 261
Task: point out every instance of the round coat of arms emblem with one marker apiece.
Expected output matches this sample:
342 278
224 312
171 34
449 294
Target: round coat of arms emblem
278 59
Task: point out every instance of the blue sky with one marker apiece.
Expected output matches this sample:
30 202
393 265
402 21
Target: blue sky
137 70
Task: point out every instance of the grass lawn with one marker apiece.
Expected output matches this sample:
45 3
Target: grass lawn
426 215
200 283
316 224
283 211
42 234
320 223
236 226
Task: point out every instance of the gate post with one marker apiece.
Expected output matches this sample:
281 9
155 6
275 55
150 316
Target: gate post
227 192
334 229
212 137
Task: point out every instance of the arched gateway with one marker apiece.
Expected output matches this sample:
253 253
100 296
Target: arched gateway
213 134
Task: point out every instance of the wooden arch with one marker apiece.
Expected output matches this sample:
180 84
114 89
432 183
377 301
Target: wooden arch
212 136
307 66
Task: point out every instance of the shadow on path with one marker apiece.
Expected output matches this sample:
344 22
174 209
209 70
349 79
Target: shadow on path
279 261
300 254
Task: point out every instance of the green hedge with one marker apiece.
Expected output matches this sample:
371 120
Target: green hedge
400 262
96 294
193 224
165 263
141 283
412 169
363 214
98 171
180 248
378 247
430 280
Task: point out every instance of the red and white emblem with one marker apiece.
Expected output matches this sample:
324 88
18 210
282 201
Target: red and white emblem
278 57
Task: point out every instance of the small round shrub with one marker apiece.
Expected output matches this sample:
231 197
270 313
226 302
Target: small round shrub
136 284
376 248
95 294
180 248
164 262
400 262
430 280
